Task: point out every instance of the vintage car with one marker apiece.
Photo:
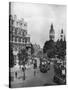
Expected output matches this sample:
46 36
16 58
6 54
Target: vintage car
60 72
44 65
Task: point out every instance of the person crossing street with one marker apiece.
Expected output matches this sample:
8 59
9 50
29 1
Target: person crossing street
35 67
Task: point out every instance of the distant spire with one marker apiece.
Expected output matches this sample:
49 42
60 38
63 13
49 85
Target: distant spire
51 29
51 33
62 34
64 38
61 31
51 26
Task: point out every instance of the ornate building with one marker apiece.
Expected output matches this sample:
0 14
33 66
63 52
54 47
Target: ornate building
51 33
19 38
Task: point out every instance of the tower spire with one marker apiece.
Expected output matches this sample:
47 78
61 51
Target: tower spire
51 33
62 34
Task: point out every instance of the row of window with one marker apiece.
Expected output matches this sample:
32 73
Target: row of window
17 23
15 47
18 31
18 39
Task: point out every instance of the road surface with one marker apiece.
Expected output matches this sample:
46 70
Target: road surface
31 80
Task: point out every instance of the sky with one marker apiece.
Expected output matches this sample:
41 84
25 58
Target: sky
39 18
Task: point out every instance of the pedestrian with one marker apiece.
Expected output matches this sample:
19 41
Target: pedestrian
16 74
35 67
23 69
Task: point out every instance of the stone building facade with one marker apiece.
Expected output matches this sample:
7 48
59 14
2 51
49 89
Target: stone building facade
19 37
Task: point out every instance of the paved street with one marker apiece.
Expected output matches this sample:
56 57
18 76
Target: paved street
40 79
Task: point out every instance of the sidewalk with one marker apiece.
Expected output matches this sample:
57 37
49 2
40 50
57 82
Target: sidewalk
40 79
30 80
29 73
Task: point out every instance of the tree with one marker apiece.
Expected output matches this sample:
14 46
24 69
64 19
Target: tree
61 48
32 49
49 48
23 57
45 47
40 54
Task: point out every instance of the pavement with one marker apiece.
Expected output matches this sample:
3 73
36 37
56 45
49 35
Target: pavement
31 80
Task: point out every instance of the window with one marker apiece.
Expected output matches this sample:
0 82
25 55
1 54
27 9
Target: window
13 39
25 40
20 32
12 22
28 39
25 33
19 39
16 29
17 23
13 30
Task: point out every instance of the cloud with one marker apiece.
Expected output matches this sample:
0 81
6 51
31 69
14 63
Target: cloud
39 18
